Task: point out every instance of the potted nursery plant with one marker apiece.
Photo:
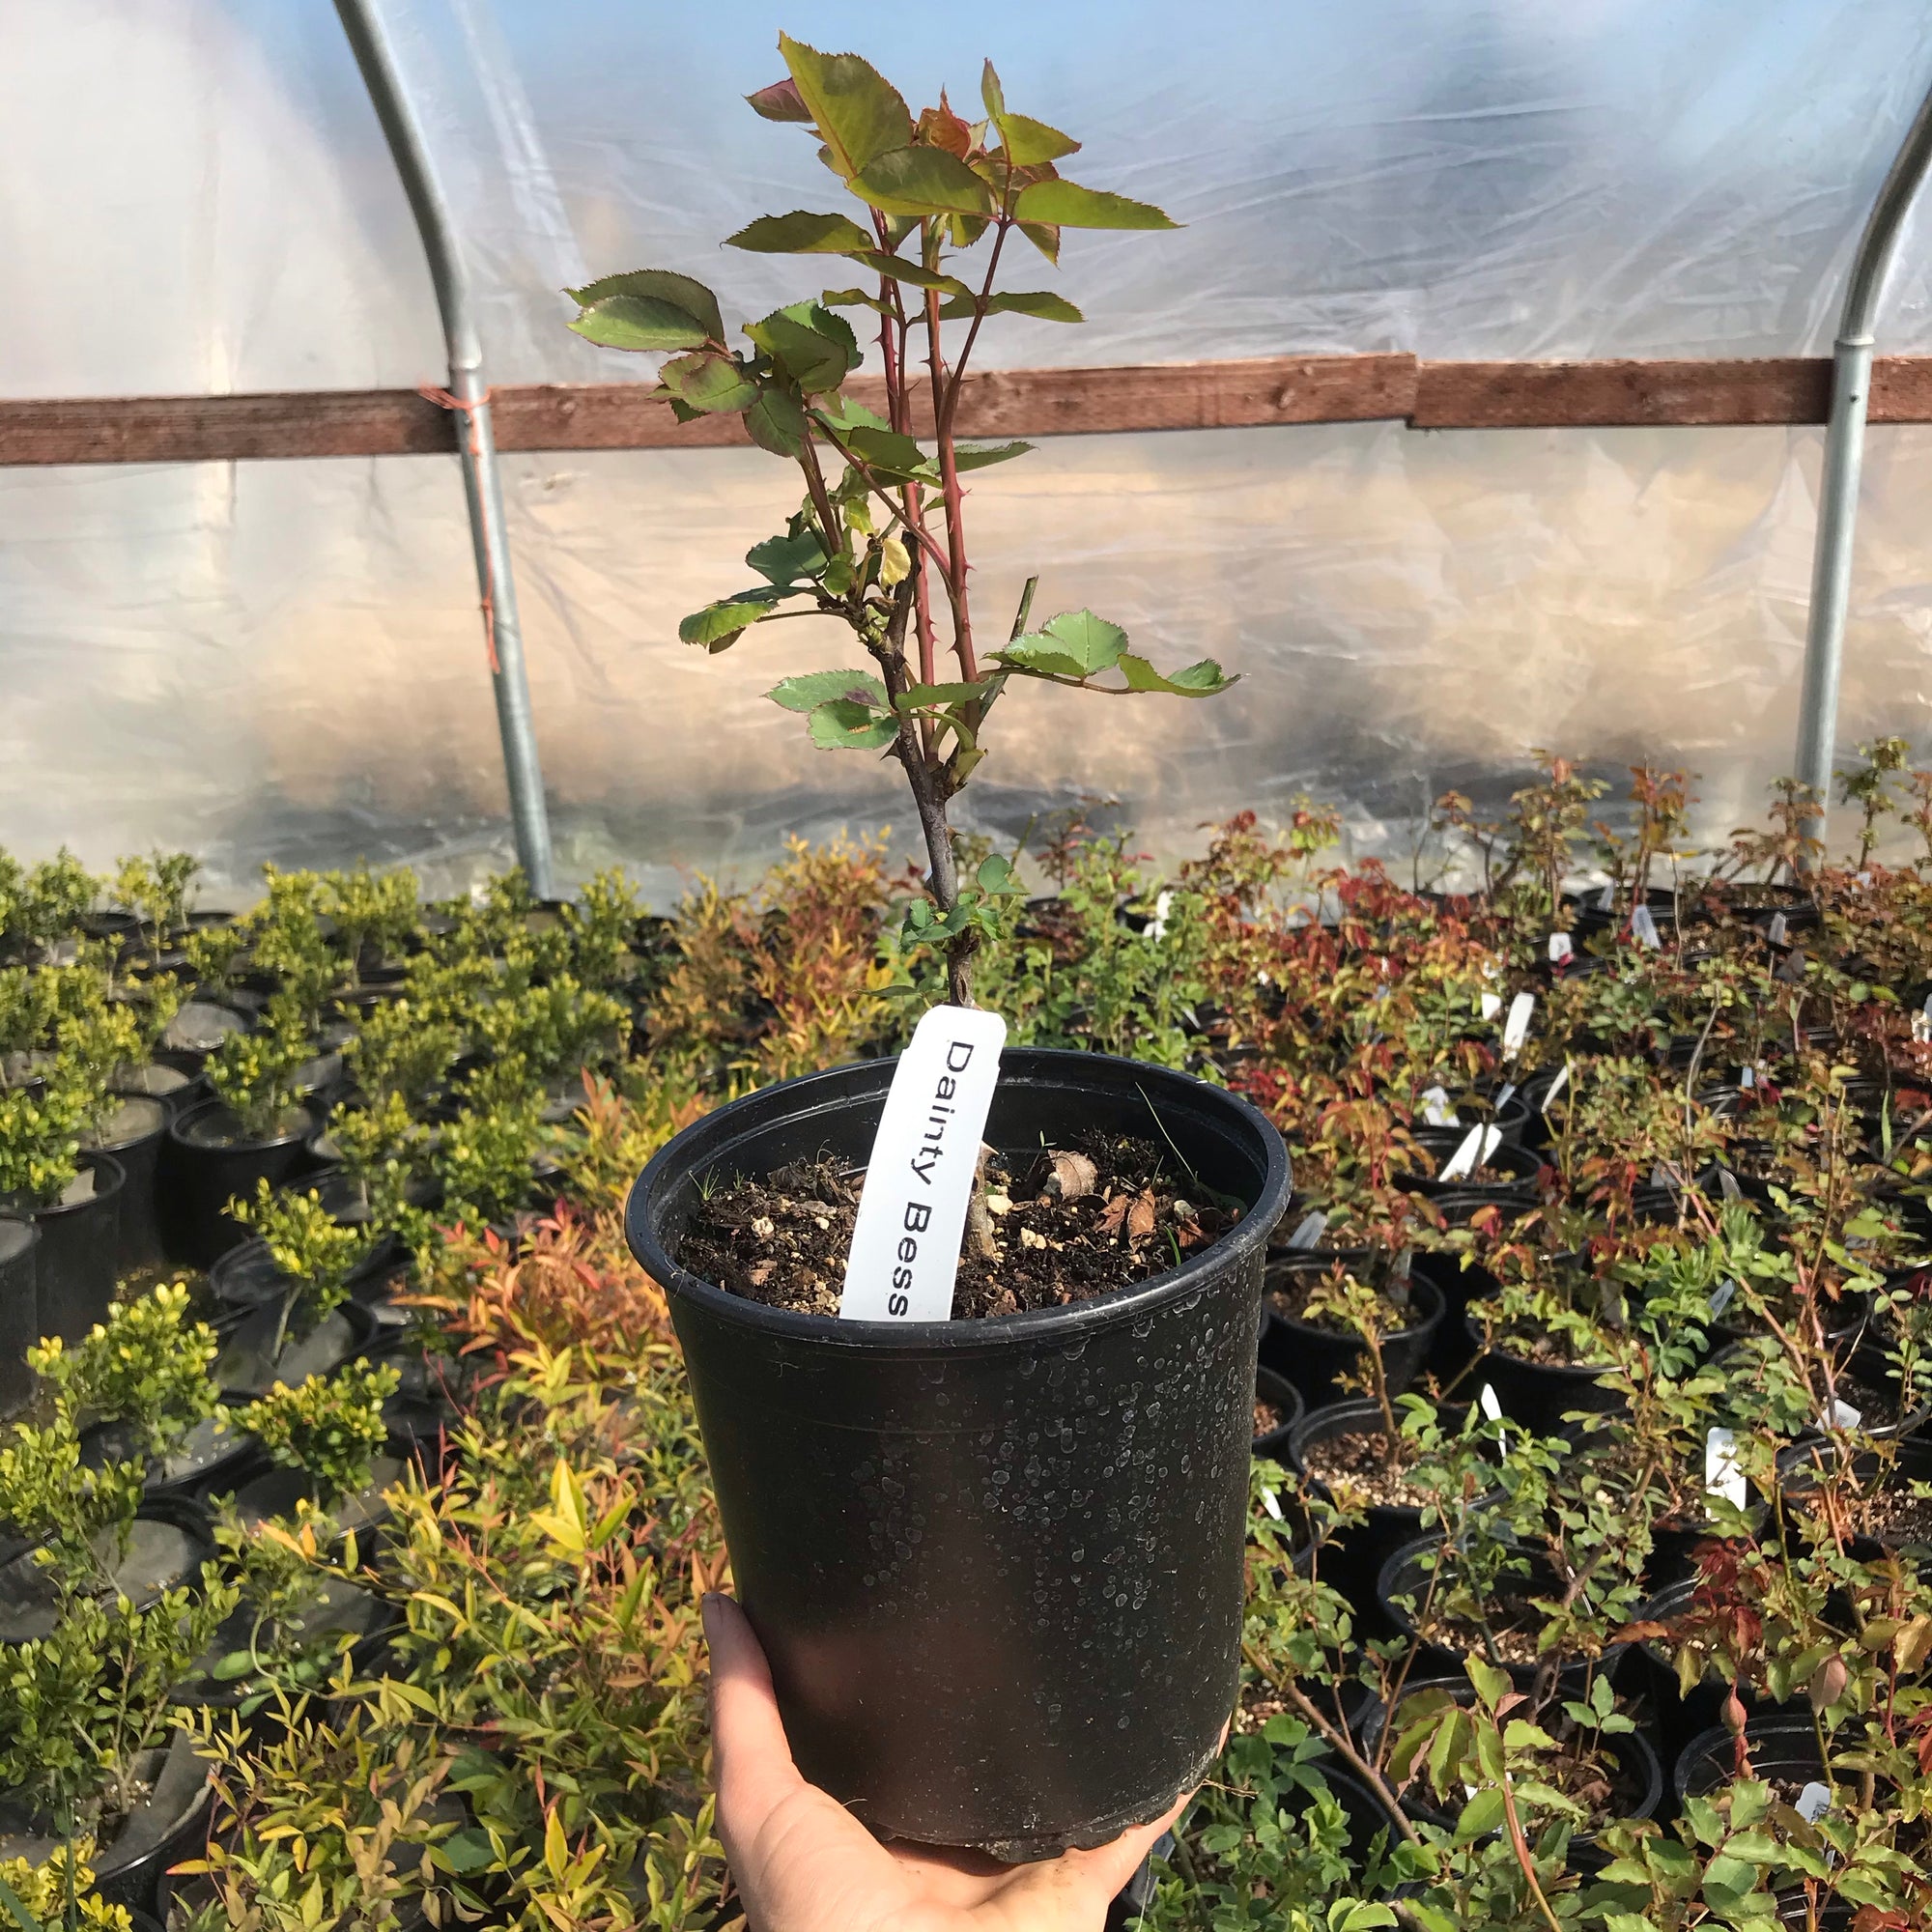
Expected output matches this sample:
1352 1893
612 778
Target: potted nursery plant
106 1598
996 1560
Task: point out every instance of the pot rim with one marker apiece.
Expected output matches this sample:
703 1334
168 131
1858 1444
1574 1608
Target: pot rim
104 1168
834 1088
215 1101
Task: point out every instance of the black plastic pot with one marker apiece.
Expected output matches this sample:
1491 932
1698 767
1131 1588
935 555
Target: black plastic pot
1353 1558
1408 1573
166 1547
1314 1359
1286 1398
1453 1347
1780 1747
206 1164
997 1564
1539 1395
195 1031
170 1824
1807 1464
276 1491
135 1135
1633 1752
19 1313
246 1277
1680 1716
74 1262
1509 1174
174 1089
248 1365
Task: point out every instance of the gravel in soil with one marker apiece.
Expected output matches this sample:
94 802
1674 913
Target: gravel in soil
1065 1226
1549 1351
1267 1418
1359 1468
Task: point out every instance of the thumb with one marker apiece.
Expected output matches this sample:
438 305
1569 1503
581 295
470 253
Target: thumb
751 1761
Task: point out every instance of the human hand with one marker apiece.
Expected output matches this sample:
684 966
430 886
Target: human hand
804 1863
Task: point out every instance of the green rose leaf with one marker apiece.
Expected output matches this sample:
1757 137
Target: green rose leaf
922 181
814 347
1029 142
847 725
922 696
1067 205
859 113
800 233
1042 305
683 292
889 453
978 456
784 559
806 693
712 384
718 626
899 270
1195 680
639 321
1076 644
1044 237
776 422
853 298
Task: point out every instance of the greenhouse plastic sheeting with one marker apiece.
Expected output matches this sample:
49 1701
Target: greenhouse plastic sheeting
284 659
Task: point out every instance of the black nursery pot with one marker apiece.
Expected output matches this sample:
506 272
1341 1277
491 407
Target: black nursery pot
1314 1359
996 1565
18 1313
1286 1400
1781 1747
205 1163
74 1264
1539 1395
135 1135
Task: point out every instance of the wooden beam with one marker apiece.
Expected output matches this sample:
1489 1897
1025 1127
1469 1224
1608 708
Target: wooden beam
1261 392
1778 390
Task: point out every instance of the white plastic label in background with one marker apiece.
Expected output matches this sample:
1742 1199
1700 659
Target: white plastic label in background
1437 1110
1309 1232
1505 1094
1813 1801
1720 1297
1643 928
1556 1087
1476 1147
1777 928
1842 1415
1722 1474
1607 897
1727 1185
1515 1029
1747 1078
1272 1504
1493 1005
1485 1401
905 1247
1560 948
1156 926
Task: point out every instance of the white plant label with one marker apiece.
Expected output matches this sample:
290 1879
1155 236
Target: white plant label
1505 1094
1777 928
1515 1029
1493 1005
1842 1415
1643 928
1813 1801
1272 1504
1607 897
1727 1185
1476 1148
1556 1087
1437 1110
1156 926
1560 948
1720 1297
1723 1475
1747 1078
1485 1401
1309 1232
905 1247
